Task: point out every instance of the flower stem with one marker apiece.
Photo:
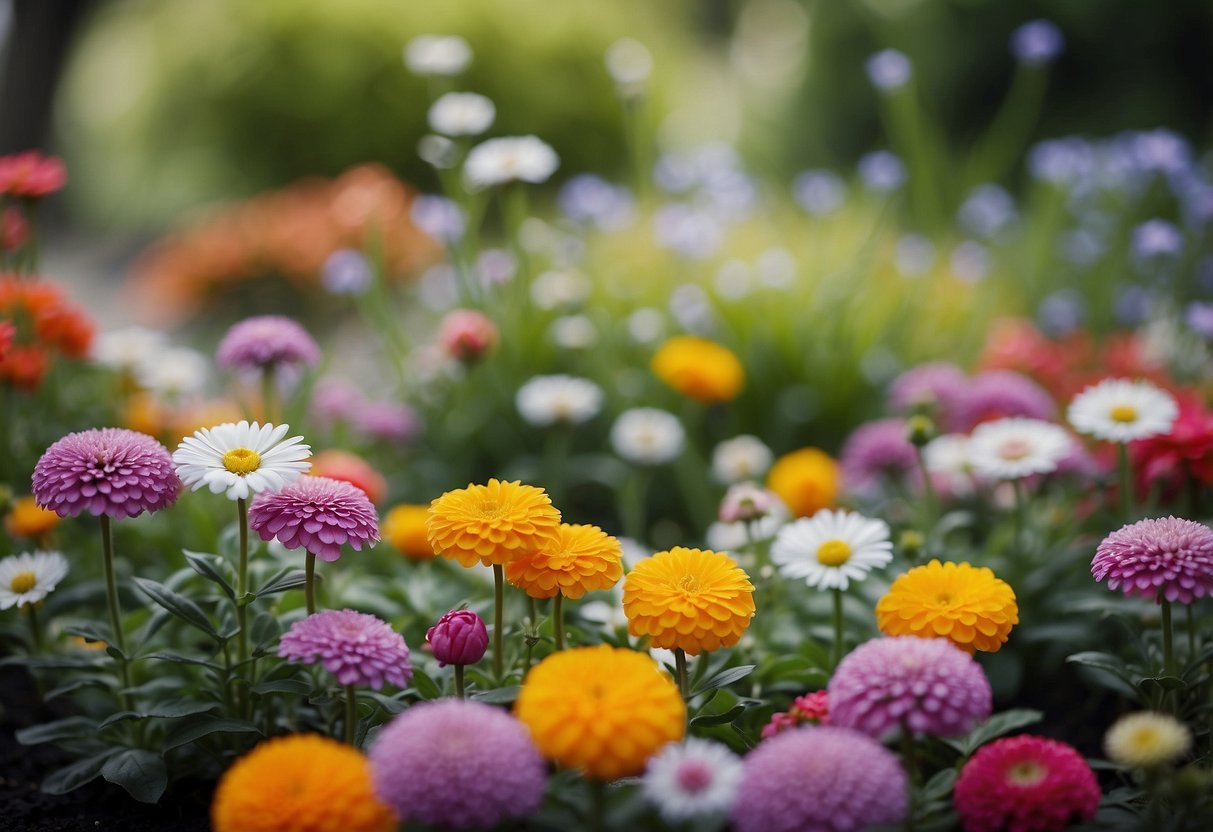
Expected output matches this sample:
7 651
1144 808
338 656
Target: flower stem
838 627
309 585
498 623
111 598
1168 649
35 629
1021 517
910 763
241 606
351 715
558 620
930 502
460 690
680 663
1191 633
269 397
598 805
1126 481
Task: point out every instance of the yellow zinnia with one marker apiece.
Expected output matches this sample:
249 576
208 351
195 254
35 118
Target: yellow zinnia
404 528
28 519
300 781
965 604
688 599
491 524
806 480
604 710
578 560
700 369
1147 740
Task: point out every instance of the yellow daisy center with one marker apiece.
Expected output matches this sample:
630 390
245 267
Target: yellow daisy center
833 553
24 582
1027 773
492 510
241 461
1145 738
1124 413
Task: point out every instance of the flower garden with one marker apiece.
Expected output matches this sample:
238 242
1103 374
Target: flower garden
688 499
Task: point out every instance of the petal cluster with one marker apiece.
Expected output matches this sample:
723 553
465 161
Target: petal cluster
267 342
459 637
603 710
1119 410
1166 557
110 471
203 459
965 604
28 578
492 523
692 779
692 599
699 369
832 548
357 648
577 560
316 514
807 480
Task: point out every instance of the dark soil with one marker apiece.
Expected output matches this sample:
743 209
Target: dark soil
96 806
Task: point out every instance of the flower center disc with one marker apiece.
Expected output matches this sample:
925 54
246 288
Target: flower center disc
1014 449
1124 413
833 553
1027 773
693 777
242 461
23 582
688 584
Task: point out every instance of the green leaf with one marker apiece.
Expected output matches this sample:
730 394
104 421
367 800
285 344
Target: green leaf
500 696
204 565
721 718
1150 684
141 773
52 662
1102 661
87 633
174 709
427 688
77 774
194 728
294 686
73 727
994 727
284 581
939 786
178 605
725 678
265 631
177 658
79 683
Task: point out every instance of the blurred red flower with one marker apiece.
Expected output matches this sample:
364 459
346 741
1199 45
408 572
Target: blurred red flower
30 175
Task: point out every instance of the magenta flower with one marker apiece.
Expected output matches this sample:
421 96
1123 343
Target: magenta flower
358 649
874 453
926 684
937 387
387 421
1025 784
1000 394
458 765
822 778
466 335
110 471
459 637
1168 557
267 342
316 514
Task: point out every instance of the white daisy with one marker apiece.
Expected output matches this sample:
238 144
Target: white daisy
741 458
28 578
125 349
831 548
501 160
174 373
647 436
462 114
548 400
947 459
692 779
1120 410
735 536
241 459
437 55
629 63
574 332
1007 449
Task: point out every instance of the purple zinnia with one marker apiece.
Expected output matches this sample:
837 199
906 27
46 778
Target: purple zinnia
110 471
317 514
875 452
358 649
927 685
387 421
819 778
938 386
458 764
1164 558
334 400
1001 394
267 342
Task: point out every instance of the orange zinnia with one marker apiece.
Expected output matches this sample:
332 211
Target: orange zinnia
491 524
578 560
965 604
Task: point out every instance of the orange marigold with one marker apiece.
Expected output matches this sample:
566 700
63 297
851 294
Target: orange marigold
693 599
302 781
965 604
806 480
604 710
699 368
404 528
578 560
492 524
28 519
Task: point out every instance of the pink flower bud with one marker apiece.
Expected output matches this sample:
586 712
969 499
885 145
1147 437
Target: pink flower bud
459 637
747 501
466 335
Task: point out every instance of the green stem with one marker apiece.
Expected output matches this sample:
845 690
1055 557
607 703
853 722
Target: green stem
1021 517
460 690
1168 649
351 715
929 500
838 627
598 804
555 459
309 585
632 506
35 630
1191 633
680 663
558 620
910 762
1126 481
111 598
532 634
241 605
498 620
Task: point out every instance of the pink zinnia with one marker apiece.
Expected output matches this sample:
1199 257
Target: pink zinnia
110 471
30 175
936 387
1168 558
267 342
458 764
14 230
811 708
358 649
387 421
466 335
876 452
459 637
1025 784
316 514
819 778
1000 394
927 685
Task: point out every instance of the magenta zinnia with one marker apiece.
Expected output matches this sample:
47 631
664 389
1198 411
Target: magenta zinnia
316 514
110 471
1165 558
267 342
358 649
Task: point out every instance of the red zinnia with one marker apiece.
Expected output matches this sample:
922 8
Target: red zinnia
31 175
1187 451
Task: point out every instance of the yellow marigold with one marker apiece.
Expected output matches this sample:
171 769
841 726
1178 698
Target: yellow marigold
578 560
404 528
27 519
806 480
965 604
604 710
699 368
297 782
693 599
143 413
491 524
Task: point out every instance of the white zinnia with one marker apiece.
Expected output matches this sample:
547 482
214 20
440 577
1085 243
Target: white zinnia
497 161
125 349
28 578
241 459
1007 449
647 436
437 55
947 457
462 114
174 373
741 458
548 400
1120 410
832 548
692 779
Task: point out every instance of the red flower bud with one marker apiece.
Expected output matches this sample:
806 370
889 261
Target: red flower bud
459 637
